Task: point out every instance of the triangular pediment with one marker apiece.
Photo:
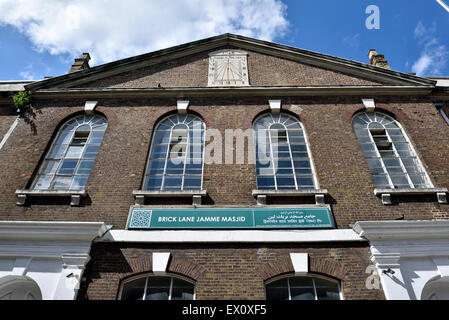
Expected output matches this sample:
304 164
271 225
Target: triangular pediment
268 65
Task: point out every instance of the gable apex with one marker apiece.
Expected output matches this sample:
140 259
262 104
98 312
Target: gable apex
240 45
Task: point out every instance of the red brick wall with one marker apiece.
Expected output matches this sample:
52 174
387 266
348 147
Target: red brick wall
228 271
7 118
120 164
192 71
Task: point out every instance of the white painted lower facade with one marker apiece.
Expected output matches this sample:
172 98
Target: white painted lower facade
412 257
44 260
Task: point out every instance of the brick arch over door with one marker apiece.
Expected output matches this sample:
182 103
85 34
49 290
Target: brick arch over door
284 266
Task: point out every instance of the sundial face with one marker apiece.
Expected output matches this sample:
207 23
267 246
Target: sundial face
228 68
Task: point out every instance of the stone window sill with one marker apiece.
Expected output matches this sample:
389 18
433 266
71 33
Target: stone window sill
196 195
75 196
261 195
386 194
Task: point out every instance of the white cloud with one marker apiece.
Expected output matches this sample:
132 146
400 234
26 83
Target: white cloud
434 56
114 29
27 75
352 41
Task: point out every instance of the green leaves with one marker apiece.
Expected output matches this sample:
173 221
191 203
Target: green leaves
22 99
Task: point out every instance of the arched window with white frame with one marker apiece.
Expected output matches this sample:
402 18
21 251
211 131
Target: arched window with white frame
282 154
151 287
310 287
176 156
391 158
68 163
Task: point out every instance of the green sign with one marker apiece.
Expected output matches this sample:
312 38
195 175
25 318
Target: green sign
231 218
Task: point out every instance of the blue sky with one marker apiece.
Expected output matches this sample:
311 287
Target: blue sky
41 37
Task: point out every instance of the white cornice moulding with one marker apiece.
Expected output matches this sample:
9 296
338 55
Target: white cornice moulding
231 236
403 230
51 231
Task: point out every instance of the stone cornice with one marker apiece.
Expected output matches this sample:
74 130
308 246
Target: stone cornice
403 230
43 231
231 236
182 92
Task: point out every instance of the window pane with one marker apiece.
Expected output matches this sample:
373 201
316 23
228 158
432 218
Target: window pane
159 151
194 168
175 167
64 137
74 152
305 182
68 166
154 183
79 182
298 147
156 167
301 289
419 181
182 290
327 290
381 181
285 182
62 183
265 182
50 166
400 181
96 137
277 290
85 166
43 182
161 136
158 288
303 171
91 152
57 151
192 182
133 290
173 183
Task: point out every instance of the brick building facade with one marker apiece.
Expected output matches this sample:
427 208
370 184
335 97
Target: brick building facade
80 245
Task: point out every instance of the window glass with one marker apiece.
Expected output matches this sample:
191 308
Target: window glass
282 155
157 288
65 167
277 290
133 290
176 156
390 156
303 288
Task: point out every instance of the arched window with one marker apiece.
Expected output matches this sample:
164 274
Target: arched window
19 288
176 157
282 154
157 288
436 289
68 163
303 288
390 156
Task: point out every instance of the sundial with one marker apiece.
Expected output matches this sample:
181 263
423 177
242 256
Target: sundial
228 68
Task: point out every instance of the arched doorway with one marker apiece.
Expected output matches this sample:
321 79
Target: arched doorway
19 288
